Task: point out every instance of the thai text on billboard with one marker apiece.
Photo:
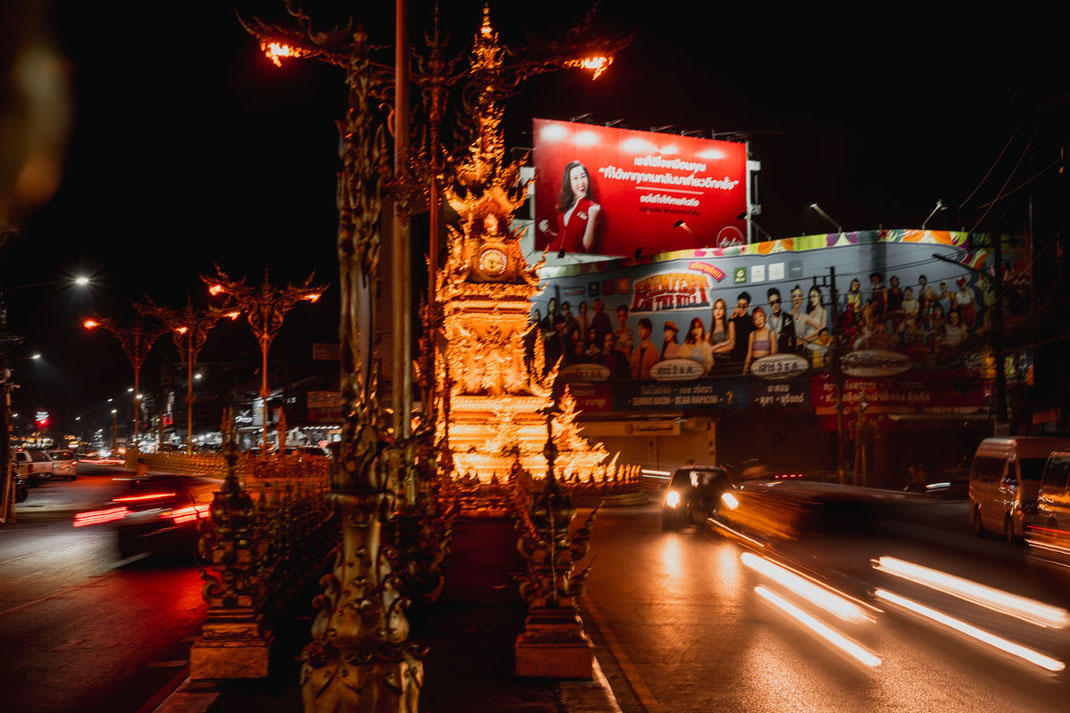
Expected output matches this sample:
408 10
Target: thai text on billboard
606 191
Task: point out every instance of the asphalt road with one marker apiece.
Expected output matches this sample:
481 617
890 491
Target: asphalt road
81 630
687 630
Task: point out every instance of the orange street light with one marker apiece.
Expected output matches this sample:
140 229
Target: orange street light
276 50
265 307
595 64
136 342
190 328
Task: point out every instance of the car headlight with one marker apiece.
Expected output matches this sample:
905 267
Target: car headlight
672 499
729 500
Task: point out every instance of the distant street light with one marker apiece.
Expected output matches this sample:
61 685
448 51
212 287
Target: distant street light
940 205
265 307
81 281
831 221
189 332
136 342
36 356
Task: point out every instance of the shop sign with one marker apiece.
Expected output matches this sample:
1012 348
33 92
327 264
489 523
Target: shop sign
779 367
872 363
584 372
675 370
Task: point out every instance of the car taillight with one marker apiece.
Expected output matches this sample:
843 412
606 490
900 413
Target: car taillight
185 514
139 498
96 517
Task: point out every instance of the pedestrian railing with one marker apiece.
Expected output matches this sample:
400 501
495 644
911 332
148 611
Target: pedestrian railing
258 550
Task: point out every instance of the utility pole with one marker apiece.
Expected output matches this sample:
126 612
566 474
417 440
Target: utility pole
1002 427
7 479
837 374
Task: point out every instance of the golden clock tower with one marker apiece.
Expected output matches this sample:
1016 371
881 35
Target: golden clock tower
485 293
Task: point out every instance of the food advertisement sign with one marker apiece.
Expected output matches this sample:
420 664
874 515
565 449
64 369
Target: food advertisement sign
762 314
605 191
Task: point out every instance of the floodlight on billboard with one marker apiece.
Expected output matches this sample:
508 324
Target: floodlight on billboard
606 191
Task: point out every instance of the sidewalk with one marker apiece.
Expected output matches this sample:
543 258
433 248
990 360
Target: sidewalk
469 633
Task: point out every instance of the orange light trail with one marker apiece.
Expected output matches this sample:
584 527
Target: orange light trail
1026 654
821 629
1028 610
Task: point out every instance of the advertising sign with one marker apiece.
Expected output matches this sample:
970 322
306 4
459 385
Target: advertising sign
930 391
606 191
762 314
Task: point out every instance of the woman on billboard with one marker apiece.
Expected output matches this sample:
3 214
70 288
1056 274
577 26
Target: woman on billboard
761 342
577 213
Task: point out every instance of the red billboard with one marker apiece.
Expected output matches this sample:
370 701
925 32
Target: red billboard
605 191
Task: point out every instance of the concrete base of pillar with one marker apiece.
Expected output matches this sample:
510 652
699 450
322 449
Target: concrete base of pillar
554 645
229 650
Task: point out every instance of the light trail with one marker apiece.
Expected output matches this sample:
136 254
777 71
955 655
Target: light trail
820 628
1023 608
1023 652
834 602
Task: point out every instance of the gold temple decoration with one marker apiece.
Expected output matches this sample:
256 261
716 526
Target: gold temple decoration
496 394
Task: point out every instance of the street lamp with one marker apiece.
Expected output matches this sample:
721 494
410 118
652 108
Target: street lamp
136 342
940 205
189 329
265 308
831 221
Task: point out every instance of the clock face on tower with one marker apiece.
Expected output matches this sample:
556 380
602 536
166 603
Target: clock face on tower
493 262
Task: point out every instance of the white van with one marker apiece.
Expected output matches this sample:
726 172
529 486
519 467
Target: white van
1005 480
1053 501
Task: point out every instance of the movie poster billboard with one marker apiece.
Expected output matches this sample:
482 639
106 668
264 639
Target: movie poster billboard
605 191
750 326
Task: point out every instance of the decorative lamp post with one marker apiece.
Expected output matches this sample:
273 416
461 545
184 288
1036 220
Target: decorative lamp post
365 662
136 342
265 308
189 329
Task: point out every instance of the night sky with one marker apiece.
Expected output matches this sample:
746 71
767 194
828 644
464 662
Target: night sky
189 147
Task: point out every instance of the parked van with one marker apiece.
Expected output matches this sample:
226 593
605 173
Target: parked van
1053 500
1005 481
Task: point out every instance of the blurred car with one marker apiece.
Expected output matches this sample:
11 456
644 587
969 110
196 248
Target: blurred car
155 514
694 494
64 464
786 507
34 466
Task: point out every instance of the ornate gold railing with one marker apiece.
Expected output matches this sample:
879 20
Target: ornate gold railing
258 551
248 467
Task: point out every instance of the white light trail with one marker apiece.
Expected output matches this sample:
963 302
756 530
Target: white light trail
834 603
821 629
1029 610
1023 652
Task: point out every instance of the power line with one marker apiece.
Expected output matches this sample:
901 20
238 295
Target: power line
991 168
1009 177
